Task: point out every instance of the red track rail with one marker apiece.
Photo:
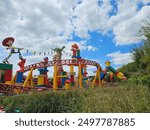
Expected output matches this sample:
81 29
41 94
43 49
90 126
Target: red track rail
9 89
62 62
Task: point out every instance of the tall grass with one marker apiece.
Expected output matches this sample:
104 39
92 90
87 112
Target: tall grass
122 98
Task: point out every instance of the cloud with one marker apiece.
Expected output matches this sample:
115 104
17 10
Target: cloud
37 25
34 23
126 23
145 1
91 48
119 58
90 16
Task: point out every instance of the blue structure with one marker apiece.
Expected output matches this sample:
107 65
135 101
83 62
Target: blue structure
102 75
43 71
19 77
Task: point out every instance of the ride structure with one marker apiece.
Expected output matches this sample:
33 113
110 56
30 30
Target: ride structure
62 80
112 72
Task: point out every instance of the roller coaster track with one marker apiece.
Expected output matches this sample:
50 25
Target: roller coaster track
9 89
62 62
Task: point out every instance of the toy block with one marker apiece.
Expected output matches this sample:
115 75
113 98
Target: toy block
72 83
73 56
63 73
72 73
6 66
85 78
67 84
40 80
43 71
8 75
63 80
102 75
19 77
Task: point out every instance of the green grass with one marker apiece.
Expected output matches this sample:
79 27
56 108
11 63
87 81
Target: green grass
122 98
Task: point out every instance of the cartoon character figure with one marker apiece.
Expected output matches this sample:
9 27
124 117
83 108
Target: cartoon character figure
58 55
8 42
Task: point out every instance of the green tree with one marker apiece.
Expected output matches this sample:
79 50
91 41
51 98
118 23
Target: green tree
141 55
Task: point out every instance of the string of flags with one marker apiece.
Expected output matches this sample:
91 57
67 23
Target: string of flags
44 53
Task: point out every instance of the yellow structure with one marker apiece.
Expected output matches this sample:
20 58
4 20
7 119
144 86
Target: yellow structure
79 80
107 63
97 77
111 73
67 85
71 69
40 79
121 76
29 79
55 78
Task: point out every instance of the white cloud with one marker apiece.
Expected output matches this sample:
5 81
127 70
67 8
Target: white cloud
37 25
119 58
34 22
126 23
91 48
91 17
145 1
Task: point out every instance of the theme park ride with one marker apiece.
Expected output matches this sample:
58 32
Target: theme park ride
62 80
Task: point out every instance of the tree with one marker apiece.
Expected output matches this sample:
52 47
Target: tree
141 55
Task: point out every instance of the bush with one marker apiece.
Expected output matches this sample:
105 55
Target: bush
140 79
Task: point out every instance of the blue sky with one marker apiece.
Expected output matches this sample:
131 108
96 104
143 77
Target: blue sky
104 29
104 45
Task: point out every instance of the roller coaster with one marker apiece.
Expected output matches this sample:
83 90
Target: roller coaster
61 80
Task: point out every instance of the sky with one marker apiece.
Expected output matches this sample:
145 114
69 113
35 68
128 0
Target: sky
103 29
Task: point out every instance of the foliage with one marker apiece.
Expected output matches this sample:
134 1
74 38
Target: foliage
138 72
141 55
129 69
143 80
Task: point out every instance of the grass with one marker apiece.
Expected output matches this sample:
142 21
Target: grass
122 98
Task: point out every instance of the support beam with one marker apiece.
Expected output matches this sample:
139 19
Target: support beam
55 78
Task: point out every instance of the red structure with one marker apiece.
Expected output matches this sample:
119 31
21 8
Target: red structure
8 75
21 65
75 51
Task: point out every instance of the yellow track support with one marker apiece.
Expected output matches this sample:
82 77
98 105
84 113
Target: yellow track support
97 76
29 79
71 69
55 85
79 80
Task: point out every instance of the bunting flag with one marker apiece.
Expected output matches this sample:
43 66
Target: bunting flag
51 52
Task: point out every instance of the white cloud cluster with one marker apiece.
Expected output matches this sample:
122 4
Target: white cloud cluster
89 16
40 22
118 58
126 23
44 24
